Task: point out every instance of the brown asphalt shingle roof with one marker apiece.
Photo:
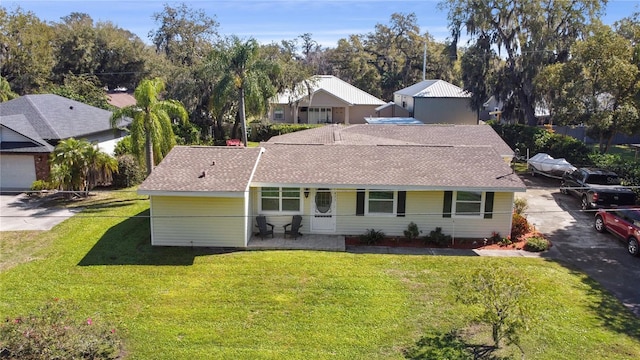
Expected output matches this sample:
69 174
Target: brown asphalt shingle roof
357 156
364 134
182 169
418 167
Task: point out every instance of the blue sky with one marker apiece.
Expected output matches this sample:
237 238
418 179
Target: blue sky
275 20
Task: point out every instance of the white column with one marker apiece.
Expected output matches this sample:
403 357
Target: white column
346 115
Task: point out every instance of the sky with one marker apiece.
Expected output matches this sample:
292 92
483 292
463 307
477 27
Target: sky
275 20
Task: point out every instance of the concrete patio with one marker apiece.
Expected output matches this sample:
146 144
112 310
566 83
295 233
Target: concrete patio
304 242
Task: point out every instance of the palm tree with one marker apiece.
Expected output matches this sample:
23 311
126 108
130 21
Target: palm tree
246 76
78 165
151 123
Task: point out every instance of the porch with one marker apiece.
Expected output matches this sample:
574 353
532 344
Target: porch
305 242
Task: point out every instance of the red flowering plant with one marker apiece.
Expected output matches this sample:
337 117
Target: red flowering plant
54 334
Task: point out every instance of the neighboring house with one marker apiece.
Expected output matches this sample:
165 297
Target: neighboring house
121 99
492 110
437 102
343 180
323 99
31 125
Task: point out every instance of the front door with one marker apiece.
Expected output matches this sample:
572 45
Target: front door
323 207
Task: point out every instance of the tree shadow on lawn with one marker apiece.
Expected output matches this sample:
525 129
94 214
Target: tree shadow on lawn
129 243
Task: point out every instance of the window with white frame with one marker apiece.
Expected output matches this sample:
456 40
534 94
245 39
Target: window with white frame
468 203
277 199
380 202
278 113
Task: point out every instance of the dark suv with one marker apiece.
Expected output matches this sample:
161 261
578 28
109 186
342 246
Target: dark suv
623 222
596 188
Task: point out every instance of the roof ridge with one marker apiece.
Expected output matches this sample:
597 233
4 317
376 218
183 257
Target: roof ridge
41 115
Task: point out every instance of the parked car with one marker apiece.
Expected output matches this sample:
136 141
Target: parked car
622 222
596 188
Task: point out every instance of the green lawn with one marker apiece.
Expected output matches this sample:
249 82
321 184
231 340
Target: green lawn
171 303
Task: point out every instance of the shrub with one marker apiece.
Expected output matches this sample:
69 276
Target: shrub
536 244
52 334
40 185
495 237
437 237
123 146
519 226
520 206
505 242
372 237
412 231
129 173
263 131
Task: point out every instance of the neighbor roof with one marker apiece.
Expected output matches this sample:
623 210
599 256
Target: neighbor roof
333 85
55 117
214 169
388 167
434 89
19 124
428 134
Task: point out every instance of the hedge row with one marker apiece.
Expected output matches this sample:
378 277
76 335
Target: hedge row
265 131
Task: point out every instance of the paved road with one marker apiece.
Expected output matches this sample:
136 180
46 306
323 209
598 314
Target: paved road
19 212
602 256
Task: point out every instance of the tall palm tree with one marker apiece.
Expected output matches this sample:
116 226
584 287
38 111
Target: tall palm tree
248 76
151 123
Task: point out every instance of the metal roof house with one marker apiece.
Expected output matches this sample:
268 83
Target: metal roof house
323 99
31 125
341 179
437 102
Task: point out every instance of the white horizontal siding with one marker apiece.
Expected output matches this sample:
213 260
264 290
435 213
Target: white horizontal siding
425 209
194 221
278 220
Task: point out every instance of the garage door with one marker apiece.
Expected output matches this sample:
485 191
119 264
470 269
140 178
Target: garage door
17 172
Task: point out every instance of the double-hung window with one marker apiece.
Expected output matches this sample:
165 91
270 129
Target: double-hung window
380 202
468 203
278 113
280 199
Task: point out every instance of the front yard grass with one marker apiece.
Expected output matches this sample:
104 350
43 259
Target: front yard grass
182 303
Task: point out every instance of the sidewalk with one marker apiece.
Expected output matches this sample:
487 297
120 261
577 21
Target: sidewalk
440 252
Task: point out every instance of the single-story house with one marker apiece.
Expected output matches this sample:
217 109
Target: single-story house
437 102
30 127
323 99
341 179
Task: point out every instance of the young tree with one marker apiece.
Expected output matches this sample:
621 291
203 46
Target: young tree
152 122
502 297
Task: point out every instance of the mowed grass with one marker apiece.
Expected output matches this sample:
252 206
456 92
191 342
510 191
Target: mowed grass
176 303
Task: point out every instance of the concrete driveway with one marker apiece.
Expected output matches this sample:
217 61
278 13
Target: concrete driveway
20 212
575 242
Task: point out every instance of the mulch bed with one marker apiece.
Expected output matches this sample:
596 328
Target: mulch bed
399 241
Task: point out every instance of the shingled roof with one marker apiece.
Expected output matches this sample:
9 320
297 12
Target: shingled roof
203 169
385 167
33 142
431 134
424 157
54 117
